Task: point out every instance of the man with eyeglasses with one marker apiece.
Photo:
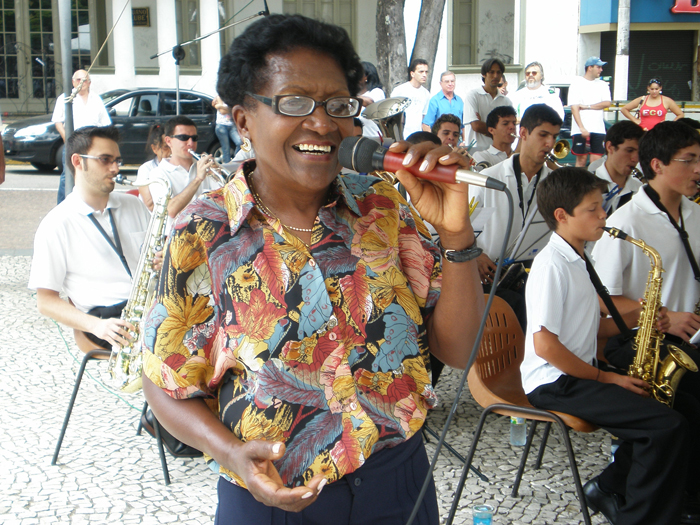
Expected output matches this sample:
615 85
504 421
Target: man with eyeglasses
659 214
88 110
188 179
88 246
535 92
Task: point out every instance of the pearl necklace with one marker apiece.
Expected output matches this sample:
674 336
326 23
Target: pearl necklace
266 210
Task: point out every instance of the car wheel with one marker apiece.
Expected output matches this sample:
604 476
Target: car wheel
43 167
58 157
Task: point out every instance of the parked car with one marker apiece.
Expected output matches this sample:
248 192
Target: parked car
133 112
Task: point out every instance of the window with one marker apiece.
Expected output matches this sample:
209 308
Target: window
9 76
338 12
122 108
41 48
187 12
189 104
484 29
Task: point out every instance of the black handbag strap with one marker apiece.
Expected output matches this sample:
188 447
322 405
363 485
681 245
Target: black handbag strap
654 196
605 296
116 245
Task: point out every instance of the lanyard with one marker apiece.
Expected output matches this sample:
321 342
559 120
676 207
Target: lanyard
654 196
605 296
518 175
116 245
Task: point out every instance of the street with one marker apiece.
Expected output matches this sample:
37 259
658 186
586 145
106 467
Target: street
26 197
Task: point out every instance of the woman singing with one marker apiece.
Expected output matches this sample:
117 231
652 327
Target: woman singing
652 108
297 307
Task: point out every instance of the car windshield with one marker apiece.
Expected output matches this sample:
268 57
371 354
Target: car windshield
111 95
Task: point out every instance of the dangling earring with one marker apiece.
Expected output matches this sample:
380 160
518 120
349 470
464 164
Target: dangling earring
246 146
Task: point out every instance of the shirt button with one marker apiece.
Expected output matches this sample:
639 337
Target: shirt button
358 482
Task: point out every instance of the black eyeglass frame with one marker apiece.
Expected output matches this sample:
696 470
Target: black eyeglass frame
274 104
104 159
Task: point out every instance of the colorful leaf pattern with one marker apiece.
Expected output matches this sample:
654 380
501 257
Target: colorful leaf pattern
322 347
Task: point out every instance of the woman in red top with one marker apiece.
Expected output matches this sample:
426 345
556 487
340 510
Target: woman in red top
652 108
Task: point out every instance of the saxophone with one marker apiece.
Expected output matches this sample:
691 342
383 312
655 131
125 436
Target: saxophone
126 362
661 376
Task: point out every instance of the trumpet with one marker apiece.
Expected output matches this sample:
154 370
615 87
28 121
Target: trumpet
219 173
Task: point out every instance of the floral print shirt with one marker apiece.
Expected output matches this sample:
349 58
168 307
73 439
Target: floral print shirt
322 347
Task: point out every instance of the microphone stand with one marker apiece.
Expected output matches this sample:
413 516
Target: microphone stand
178 51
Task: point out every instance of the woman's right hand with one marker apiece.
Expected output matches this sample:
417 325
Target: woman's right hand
252 461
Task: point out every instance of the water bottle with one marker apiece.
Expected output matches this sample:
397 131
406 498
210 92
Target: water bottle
518 431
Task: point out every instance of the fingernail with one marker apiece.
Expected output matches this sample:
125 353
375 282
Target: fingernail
445 157
307 495
276 448
407 159
322 484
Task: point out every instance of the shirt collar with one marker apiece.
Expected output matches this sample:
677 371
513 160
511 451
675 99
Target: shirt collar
642 200
495 151
83 208
564 248
239 200
630 184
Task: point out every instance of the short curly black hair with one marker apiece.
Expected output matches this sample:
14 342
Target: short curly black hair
245 66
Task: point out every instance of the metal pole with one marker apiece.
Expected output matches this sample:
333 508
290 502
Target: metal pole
64 14
622 57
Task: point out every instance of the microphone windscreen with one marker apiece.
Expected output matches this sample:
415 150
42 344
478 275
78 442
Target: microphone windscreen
355 153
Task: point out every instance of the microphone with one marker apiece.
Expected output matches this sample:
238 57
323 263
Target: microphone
365 155
266 12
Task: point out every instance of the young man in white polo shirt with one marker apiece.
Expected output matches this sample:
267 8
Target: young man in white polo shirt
669 156
622 147
88 246
481 101
501 123
188 179
559 371
538 133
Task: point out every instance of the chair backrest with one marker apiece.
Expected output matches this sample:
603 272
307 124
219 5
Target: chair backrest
495 376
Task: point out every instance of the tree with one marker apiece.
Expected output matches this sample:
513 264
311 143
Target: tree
391 39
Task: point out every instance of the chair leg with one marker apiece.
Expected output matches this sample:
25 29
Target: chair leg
545 437
467 465
143 413
427 430
161 451
523 458
574 471
78 379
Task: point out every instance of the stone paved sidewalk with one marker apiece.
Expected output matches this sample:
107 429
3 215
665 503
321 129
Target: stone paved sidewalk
108 474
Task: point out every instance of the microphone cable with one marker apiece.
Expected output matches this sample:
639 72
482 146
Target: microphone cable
472 358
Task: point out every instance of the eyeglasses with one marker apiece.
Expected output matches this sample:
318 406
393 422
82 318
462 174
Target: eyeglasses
185 138
689 162
301 106
105 160
533 73
81 79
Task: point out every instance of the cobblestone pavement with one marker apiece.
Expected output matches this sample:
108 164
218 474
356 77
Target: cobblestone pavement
108 474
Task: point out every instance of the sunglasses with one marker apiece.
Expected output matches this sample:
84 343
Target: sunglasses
105 160
185 138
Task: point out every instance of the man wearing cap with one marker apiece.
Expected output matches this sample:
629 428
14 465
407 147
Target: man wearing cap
588 97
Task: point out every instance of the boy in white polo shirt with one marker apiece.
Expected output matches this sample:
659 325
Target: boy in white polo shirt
559 370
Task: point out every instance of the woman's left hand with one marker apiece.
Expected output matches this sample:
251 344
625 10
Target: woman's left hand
445 206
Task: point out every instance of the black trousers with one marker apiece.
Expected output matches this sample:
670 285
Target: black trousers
651 465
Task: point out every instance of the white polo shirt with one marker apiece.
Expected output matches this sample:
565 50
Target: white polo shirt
71 254
479 101
179 178
491 239
624 268
420 98
526 97
587 93
561 298
611 199
491 155
90 113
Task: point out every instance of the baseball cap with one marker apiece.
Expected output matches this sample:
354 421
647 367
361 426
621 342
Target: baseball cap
594 61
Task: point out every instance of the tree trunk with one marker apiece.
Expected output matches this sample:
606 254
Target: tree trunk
391 44
428 33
